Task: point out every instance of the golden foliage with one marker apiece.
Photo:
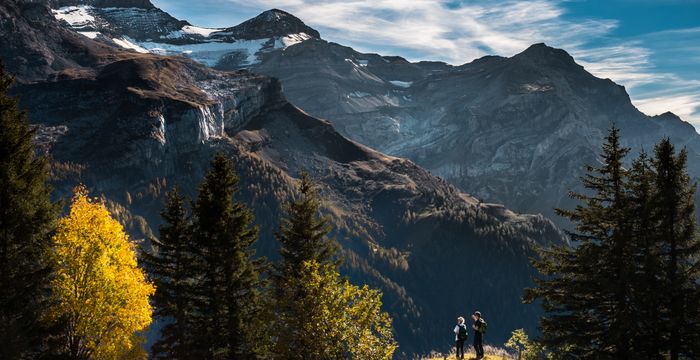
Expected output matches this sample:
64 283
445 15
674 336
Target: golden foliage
99 290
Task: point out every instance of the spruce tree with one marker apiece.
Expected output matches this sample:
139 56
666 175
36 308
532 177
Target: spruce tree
646 257
170 265
303 233
585 290
319 314
680 252
230 285
27 216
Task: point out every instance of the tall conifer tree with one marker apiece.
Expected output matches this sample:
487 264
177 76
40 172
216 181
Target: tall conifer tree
230 275
170 264
646 258
680 252
585 290
303 235
303 232
27 216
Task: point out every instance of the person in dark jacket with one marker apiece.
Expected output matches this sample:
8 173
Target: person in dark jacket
460 337
478 334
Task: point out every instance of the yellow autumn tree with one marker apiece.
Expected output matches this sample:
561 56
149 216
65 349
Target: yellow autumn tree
101 296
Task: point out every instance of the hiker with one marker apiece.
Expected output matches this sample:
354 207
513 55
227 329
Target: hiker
460 337
479 330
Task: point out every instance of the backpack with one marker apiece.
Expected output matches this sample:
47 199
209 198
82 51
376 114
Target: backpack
482 326
462 334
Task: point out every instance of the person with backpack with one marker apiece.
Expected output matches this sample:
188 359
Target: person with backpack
460 337
479 331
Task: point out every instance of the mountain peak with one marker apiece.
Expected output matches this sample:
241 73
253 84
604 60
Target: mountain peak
667 116
273 15
542 53
271 23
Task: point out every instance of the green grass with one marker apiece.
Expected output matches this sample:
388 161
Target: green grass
492 353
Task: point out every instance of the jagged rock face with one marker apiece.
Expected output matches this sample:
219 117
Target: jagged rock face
514 130
113 19
131 125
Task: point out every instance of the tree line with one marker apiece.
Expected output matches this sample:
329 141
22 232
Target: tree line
629 287
76 287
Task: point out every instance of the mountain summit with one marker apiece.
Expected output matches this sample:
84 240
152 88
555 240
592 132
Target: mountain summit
543 55
272 23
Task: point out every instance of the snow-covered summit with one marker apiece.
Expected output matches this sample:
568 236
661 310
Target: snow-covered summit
141 27
272 23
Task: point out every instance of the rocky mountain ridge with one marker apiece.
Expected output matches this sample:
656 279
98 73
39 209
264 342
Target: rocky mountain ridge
512 130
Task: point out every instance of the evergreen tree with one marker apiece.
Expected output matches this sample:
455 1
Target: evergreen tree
231 305
27 217
585 290
680 252
171 264
646 292
303 233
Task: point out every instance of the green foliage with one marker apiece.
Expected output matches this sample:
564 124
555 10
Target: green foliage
525 348
647 290
229 277
170 264
27 217
585 289
340 320
319 315
303 233
629 288
674 214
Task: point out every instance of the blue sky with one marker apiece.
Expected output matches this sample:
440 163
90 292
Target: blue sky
650 47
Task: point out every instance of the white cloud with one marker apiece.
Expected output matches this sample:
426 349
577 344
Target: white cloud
683 105
439 32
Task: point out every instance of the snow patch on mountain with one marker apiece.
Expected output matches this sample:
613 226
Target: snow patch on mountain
127 44
206 32
91 34
291 39
76 16
189 30
403 84
358 63
212 51
209 53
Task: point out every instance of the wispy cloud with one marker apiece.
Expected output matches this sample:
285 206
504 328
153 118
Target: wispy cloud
459 31
442 30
